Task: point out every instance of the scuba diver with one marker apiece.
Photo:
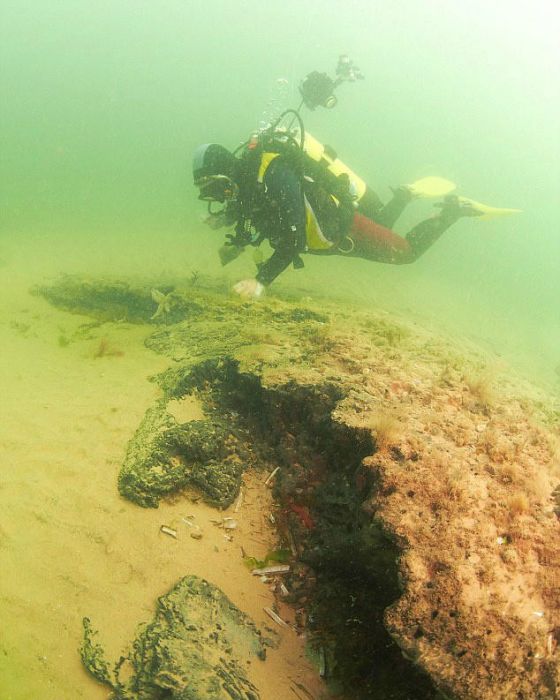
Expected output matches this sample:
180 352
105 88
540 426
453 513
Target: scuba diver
287 188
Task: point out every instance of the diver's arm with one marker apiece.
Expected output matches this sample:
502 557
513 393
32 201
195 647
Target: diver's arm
284 187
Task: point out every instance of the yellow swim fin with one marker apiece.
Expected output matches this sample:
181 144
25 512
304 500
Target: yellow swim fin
486 212
431 187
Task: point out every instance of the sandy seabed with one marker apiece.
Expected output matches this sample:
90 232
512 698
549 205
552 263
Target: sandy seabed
69 545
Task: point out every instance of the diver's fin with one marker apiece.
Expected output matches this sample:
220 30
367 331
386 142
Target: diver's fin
484 212
431 187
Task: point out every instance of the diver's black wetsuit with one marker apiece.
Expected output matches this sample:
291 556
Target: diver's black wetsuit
282 220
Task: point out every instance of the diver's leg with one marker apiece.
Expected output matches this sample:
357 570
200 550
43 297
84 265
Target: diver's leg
388 215
427 232
372 241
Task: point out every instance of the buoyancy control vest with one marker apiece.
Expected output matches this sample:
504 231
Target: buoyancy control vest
325 220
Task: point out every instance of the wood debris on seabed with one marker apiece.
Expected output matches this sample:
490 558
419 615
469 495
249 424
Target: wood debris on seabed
168 531
273 616
267 570
271 476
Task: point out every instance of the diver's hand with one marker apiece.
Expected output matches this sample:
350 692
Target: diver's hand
249 289
215 221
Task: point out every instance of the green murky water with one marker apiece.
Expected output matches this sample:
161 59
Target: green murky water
103 103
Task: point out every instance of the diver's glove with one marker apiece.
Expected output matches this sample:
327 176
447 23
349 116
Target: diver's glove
229 252
249 289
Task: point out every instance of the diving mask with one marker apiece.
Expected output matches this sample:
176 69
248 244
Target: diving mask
216 188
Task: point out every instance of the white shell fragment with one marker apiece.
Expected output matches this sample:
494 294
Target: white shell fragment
196 533
239 501
273 616
168 531
271 476
268 570
322 662
226 523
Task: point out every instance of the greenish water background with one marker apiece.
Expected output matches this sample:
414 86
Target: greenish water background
103 103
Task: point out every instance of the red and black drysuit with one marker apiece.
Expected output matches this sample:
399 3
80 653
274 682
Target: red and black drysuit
361 233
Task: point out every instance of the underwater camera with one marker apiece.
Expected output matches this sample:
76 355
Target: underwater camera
317 89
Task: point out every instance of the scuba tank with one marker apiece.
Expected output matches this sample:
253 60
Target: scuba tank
329 159
320 163
363 198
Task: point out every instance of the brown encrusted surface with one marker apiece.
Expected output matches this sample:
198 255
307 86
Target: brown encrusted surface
466 466
465 482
